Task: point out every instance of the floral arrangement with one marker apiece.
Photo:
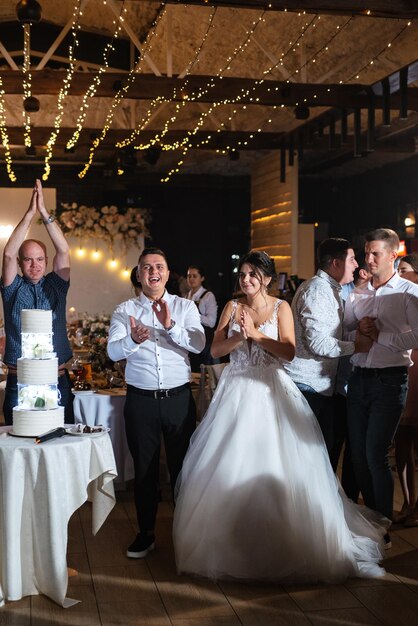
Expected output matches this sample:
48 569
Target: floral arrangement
108 223
95 330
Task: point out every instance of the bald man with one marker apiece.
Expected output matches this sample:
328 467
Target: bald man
35 289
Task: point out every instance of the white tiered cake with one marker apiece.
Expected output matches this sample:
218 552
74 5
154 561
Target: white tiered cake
37 377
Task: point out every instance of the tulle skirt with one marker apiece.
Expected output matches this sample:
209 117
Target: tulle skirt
257 498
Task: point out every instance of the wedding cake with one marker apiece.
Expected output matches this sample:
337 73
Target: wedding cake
37 377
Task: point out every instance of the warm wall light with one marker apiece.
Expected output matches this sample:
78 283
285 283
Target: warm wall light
96 255
409 221
81 252
5 231
113 263
125 273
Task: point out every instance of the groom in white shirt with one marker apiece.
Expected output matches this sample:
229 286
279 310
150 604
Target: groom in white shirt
386 310
154 333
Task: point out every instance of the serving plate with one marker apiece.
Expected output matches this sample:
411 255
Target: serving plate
73 431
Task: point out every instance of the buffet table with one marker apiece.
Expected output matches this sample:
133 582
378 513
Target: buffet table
41 486
105 408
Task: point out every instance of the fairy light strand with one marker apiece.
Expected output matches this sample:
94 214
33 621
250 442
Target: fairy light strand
77 13
91 91
356 75
4 136
202 91
122 92
186 143
238 144
27 83
159 99
244 94
370 62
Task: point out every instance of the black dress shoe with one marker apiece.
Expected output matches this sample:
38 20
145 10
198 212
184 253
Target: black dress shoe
143 545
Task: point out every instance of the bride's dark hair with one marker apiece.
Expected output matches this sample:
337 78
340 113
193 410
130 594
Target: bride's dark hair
260 261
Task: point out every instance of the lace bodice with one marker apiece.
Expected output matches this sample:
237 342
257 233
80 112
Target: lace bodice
249 353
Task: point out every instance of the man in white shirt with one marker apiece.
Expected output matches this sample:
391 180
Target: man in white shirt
154 333
386 310
318 314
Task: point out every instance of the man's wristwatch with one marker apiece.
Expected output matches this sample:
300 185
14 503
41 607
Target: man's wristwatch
50 219
173 323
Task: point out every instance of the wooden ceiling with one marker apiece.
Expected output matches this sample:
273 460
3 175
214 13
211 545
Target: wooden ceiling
330 81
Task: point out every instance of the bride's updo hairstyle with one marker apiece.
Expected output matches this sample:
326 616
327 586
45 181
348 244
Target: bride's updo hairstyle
261 263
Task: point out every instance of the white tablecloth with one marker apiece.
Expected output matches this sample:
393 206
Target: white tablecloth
106 408
41 486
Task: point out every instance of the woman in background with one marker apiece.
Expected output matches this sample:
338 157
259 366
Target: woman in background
208 309
406 438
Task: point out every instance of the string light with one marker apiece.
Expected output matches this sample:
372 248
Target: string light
96 255
5 136
84 254
91 91
113 263
324 48
371 61
244 94
147 118
121 93
77 13
196 96
27 82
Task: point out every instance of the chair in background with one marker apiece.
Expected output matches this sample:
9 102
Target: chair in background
209 378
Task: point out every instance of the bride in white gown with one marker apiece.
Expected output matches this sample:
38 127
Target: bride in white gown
257 498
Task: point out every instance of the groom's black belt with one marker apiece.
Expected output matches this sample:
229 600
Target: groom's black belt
375 371
158 393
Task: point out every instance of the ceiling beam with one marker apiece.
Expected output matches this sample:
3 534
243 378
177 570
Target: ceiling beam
269 93
378 8
212 140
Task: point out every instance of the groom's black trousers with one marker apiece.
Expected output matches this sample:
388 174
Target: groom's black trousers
146 418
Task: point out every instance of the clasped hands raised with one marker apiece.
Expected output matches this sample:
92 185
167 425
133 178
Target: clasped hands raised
37 201
141 333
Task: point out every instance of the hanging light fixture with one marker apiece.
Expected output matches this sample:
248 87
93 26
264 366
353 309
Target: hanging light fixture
28 11
31 104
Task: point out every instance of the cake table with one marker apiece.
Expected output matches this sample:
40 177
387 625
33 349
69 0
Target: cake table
41 486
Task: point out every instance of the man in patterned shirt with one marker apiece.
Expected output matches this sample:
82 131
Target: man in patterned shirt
35 290
318 315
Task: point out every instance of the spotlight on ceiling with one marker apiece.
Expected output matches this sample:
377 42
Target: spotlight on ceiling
28 11
31 104
301 112
233 155
30 151
152 154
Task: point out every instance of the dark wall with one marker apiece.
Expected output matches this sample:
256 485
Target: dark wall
352 206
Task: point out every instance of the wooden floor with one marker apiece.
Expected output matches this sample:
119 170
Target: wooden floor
117 590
